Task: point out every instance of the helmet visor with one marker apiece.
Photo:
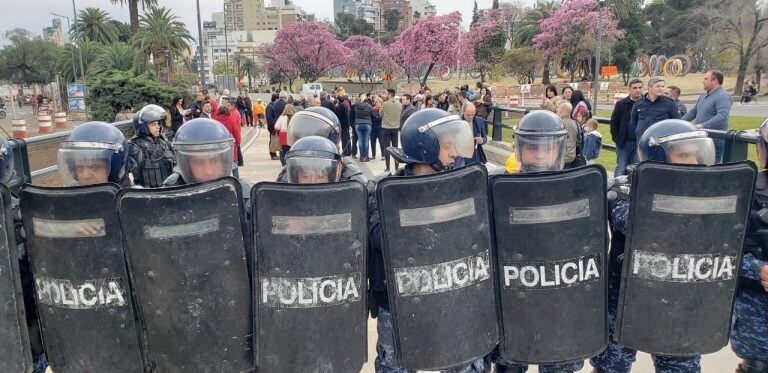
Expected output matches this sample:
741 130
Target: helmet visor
699 150
455 138
540 153
198 163
84 166
304 170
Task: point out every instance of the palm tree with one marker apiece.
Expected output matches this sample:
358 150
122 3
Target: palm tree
133 9
118 56
70 55
529 28
163 38
96 25
250 68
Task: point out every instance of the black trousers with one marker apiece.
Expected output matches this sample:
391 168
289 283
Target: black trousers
387 138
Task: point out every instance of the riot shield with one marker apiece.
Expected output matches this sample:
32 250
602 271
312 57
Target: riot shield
683 253
14 337
551 239
84 300
439 263
186 257
310 293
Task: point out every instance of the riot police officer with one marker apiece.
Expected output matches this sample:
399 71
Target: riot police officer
319 121
151 155
25 272
539 147
204 151
432 141
94 153
749 335
313 160
670 141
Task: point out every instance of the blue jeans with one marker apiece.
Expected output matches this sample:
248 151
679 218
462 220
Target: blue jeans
363 138
719 150
625 155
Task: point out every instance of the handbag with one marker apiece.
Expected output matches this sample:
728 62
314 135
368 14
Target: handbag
239 156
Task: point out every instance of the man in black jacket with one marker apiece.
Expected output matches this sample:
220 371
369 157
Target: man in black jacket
652 108
626 144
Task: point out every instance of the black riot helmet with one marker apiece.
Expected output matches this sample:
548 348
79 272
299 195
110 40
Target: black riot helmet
540 142
762 144
676 141
314 121
313 160
6 161
429 131
145 116
204 150
94 153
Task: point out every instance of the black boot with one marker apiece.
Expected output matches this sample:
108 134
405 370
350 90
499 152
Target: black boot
503 369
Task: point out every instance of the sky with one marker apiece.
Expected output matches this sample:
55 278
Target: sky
34 15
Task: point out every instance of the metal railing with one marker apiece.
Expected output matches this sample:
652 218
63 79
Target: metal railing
21 150
736 141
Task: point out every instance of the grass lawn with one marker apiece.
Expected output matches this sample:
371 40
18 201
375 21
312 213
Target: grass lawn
607 158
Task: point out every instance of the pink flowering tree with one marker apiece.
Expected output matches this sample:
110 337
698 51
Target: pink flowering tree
307 49
278 67
430 41
368 58
569 33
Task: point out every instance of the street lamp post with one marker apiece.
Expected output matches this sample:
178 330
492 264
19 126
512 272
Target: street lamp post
82 69
200 45
596 88
226 50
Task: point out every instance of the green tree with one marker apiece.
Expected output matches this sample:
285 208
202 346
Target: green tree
70 55
250 68
124 32
520 63
118 56
220 68
116 91
346 25
133 9
529 28
678 26
475 14
495 4
96 25
28 61
163 37
392 18
489 52
632 19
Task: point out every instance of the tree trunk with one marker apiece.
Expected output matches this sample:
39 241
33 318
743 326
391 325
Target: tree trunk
545 72
426 75
250 88
740 76
133 8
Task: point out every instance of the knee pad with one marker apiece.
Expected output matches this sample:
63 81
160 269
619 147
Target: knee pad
752 366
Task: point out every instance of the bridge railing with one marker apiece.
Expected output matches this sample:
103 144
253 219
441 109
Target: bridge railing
35 158
736 141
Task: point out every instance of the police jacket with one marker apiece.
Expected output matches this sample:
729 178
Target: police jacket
620 131
646 112
151 159
756 240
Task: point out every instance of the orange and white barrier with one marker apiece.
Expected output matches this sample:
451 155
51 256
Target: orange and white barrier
44 124
61 120
514 101
19 127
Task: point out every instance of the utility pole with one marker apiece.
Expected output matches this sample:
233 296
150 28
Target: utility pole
226 50
82 69
596 88
200 46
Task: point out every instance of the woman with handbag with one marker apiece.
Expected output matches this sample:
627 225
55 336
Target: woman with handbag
281 127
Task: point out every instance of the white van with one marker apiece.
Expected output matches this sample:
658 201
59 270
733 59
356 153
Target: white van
311 89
